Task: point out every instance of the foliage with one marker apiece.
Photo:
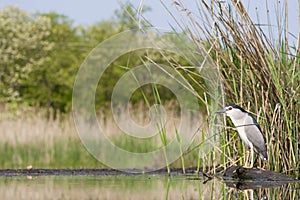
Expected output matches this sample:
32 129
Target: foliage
42 52
258 74
129 17
24 45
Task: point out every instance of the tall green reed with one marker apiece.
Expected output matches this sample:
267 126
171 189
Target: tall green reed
257 73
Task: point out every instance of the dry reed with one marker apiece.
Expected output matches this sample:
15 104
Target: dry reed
257 74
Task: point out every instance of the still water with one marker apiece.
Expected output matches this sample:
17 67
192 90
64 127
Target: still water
135 187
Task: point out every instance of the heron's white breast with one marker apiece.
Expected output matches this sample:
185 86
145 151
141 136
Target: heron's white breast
240 123
243 136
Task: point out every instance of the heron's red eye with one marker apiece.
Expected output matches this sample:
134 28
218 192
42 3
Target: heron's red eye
230 108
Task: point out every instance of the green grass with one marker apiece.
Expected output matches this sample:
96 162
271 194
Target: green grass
34 137
69 153
257 73
63 154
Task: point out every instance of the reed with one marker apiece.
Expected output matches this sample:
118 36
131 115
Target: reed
43 139
257 74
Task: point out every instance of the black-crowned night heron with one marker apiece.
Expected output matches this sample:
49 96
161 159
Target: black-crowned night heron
249 131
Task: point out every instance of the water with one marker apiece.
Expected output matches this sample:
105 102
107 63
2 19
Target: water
134 187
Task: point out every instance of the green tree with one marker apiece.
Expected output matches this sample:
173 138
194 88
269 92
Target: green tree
41 54
50 85
131 18
24 45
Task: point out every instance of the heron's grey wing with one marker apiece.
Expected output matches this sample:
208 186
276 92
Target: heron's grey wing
255 135
258 126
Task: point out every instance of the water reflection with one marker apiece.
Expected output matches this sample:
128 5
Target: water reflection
135 187
263 190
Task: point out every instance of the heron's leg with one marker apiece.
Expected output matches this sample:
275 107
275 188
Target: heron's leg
246 159
248 194
251 157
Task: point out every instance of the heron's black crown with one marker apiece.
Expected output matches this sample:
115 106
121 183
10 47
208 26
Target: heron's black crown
238 107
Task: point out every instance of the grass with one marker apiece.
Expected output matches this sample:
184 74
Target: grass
34 137
257 73
63 154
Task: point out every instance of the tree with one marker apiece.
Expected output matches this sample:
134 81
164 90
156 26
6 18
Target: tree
24 45
131 18
50 85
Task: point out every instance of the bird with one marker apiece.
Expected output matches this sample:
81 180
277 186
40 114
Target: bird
248 130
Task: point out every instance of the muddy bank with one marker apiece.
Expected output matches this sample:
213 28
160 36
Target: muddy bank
231 175
83 172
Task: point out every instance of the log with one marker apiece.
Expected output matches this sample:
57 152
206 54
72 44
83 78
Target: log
242 173
251 178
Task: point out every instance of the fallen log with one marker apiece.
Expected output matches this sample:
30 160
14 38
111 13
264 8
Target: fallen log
242 173
251 178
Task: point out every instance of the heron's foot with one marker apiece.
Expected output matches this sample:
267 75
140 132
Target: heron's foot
248 166
249 158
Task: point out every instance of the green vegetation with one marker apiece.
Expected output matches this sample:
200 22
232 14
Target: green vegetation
43 141
257 73
41 53
69 153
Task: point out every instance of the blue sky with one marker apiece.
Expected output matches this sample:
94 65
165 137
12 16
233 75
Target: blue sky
90 11
87 11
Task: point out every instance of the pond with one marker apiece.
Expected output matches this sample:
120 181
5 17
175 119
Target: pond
134 187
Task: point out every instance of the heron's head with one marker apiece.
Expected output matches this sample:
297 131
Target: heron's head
233 111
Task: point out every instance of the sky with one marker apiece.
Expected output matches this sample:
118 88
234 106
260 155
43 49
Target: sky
88 12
